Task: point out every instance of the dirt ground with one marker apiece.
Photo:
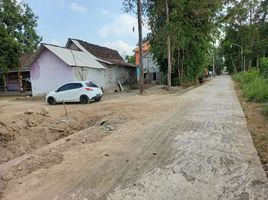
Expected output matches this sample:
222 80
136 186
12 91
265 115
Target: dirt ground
27 125
160 145
258 127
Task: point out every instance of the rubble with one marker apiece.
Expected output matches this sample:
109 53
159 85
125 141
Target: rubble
29 112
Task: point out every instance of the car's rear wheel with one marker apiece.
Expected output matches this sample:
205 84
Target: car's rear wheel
84 99
97 99
51 101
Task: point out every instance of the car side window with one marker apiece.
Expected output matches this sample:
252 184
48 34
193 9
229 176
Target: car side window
63 88
91 84
70 86
75 86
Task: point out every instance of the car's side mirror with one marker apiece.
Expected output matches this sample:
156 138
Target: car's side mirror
57 91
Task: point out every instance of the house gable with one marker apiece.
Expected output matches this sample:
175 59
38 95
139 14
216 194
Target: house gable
102 54
49 72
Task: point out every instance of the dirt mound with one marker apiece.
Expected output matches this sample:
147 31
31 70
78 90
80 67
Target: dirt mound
6 133
29 131
163 89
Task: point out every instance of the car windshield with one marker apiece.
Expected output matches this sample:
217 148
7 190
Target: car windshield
91 84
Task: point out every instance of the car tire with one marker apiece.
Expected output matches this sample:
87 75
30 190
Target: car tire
51 101
97 99
84 99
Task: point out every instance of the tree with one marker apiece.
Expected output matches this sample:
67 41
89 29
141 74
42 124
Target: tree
168 46
130 6
9 50
189 25
18 32
245 23
130 59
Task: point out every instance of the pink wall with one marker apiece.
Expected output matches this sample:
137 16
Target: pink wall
48 73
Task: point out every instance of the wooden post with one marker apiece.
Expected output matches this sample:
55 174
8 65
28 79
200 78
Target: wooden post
20 82
5 82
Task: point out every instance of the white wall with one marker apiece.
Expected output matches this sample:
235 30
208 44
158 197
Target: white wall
108 78
90 74
48 73
149 64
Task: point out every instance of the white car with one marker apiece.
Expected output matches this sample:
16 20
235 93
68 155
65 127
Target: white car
78 91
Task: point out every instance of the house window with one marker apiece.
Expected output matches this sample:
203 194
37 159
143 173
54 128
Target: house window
154 76
145 75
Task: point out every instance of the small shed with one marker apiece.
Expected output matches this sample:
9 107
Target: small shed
18 79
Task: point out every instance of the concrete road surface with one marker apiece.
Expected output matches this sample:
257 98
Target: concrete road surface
200 149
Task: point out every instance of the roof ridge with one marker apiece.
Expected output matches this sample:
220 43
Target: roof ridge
54 45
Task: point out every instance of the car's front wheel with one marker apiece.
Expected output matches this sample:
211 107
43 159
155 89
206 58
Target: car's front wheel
51 101
84 99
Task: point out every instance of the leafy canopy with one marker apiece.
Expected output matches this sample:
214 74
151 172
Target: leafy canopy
18 32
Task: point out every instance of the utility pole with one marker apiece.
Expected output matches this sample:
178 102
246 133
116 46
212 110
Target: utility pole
243 59
139 11
168 46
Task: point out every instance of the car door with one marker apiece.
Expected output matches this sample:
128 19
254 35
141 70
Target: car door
62 92
74 92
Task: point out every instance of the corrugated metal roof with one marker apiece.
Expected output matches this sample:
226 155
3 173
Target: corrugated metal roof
77 43
100 53
75 58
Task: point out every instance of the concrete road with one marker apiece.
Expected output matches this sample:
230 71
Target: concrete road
200 149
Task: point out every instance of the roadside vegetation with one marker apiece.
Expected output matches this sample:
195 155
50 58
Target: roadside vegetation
252 87
254 83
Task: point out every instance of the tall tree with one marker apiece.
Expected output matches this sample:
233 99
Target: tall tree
168 46
139 13
191 26
18 30
245 24
9 51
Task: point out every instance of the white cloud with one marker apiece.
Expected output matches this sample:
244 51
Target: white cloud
123 25
122 47
107 12
78 7
55 42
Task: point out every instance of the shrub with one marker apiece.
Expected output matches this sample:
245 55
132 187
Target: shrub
256 89
246 77
238 77
264 67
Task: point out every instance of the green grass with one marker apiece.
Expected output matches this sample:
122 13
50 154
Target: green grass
246 77
254 86
256 90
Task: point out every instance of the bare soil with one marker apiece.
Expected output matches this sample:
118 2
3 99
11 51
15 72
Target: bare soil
25 127
27 124
194 145
257 125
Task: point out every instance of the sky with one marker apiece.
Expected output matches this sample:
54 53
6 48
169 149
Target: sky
100 22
